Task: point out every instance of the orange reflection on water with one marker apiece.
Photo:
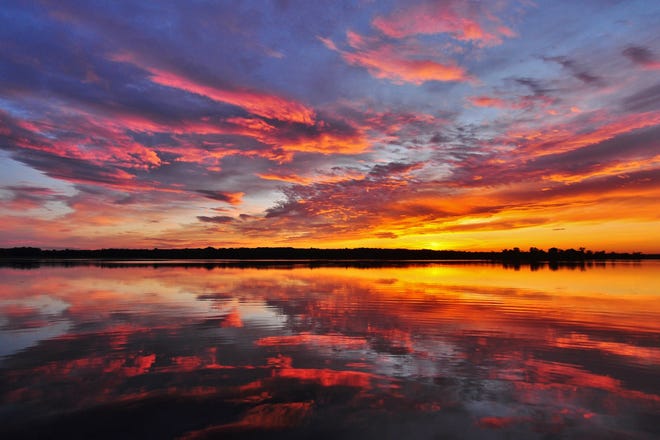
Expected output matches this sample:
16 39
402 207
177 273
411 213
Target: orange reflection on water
519 351
329 378
334 341
644 355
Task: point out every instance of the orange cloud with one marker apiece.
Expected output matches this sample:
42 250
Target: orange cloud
328 143
489 101
288 177
572 135
387 61
382 64
307 180
320 137
222 196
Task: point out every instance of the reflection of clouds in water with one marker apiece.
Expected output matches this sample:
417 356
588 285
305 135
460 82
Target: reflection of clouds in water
259 314
30 306
13 341
429 358
26 321
415 349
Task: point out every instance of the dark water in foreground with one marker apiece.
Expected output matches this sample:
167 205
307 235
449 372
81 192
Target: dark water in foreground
437 351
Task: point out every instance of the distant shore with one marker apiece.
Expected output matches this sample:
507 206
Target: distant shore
284 254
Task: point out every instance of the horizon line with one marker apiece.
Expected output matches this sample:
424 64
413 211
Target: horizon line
532 250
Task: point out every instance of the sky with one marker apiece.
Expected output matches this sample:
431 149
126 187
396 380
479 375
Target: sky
452 124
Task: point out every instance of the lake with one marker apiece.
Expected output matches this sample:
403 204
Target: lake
206 350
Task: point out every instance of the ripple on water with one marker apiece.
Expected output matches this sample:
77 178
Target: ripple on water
467 351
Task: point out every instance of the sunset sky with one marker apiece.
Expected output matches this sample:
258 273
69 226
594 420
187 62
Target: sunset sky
451 124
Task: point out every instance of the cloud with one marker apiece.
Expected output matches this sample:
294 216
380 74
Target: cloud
642 56
645 100
635 145
385 64
535 85
386 235
352 207
206 113
576 70
23 197
399 64
220 219
495 225
400 199
329 135
393 169
493 102
266 105
397 51
615 150
231 198
462 20
590 190
76 170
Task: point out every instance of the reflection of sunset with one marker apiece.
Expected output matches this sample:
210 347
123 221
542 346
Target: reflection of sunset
328 378
283 346
338 341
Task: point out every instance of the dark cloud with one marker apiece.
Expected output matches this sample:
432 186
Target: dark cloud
392 169
645 100
220 219
72 169
28 190
536 86
26 196
73 66
635 145
590 188
438 138
641 55
576 70
231 198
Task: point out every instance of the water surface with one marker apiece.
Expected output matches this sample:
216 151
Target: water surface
428 351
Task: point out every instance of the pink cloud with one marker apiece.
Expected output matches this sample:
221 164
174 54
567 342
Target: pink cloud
513 103
464 21
266 105
388 61
262 104
489 101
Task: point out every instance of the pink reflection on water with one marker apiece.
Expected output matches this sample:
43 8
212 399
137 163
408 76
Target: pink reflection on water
564 352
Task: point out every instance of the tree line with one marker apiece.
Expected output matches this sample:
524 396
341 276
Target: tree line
289 253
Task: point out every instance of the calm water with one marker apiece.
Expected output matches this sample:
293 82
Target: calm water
437 351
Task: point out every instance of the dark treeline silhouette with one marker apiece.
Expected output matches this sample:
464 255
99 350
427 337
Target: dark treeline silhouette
513 256
240 264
